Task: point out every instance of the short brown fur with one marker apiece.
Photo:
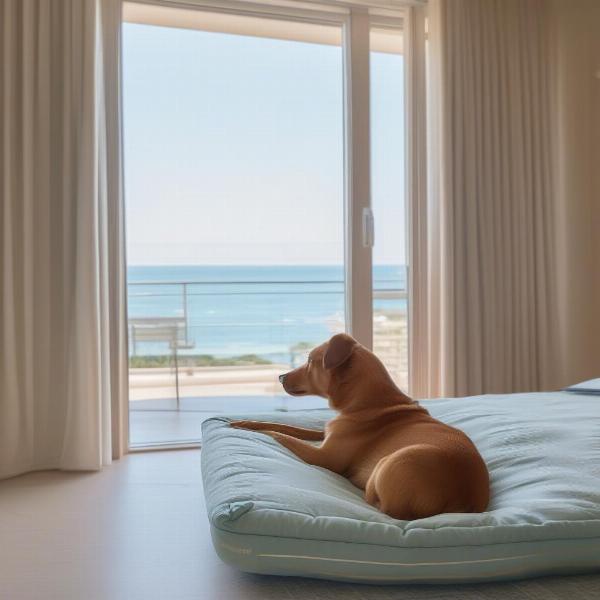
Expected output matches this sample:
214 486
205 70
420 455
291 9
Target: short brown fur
410 465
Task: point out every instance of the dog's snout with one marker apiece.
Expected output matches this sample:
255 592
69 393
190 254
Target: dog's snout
282 377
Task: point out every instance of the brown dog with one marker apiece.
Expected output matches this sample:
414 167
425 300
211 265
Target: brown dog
410 465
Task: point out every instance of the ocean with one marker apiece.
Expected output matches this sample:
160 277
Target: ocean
231 311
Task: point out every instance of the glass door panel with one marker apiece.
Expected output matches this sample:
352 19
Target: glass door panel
390 277
234 172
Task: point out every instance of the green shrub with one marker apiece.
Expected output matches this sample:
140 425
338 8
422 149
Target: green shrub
196 360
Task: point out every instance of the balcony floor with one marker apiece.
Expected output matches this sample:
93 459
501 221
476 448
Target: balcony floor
158 421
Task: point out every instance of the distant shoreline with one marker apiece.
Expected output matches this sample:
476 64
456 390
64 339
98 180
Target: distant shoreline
256 265
259 313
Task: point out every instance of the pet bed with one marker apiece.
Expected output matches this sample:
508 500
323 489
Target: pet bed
272 513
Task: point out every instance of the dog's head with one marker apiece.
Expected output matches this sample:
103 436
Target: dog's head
340 370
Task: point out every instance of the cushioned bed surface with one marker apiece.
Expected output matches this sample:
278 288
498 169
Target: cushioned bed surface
272 513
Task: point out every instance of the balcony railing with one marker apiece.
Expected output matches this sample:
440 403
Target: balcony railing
214 338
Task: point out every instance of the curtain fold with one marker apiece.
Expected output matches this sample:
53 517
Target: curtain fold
487 300
62 342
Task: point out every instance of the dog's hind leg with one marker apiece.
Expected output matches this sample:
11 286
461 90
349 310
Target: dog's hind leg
412 483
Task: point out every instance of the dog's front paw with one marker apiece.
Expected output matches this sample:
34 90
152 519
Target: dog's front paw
241 424
274 434
250 425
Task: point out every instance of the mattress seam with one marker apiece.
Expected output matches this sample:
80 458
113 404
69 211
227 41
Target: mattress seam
406 547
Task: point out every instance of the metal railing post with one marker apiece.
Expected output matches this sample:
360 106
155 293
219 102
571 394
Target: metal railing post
176 376
185 311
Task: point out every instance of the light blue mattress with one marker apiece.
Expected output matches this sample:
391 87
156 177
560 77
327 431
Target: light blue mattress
272 513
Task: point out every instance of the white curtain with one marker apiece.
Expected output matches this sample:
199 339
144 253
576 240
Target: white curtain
62 342
483 296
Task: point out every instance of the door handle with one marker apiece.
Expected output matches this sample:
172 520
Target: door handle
368 227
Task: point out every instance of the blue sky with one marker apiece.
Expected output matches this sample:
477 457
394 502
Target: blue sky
234 150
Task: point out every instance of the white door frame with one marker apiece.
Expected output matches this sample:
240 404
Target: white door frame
358 263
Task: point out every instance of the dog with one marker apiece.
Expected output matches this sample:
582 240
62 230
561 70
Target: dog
410 465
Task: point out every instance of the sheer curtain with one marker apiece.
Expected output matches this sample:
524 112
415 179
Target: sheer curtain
62 331
483 290
578 133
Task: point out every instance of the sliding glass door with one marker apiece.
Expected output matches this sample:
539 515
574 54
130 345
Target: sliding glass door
239 206
390 265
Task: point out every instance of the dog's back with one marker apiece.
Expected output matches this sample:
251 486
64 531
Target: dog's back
411 465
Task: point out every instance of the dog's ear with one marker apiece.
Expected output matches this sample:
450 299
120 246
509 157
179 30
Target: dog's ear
338 351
